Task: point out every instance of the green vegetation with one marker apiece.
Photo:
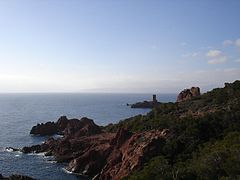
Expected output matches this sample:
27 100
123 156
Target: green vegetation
204 142
219 160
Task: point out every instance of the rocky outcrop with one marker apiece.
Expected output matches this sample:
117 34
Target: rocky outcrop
72 127
102 155
83 127
143 105
48 128
34 148
146 104
16 177
188 94
131 155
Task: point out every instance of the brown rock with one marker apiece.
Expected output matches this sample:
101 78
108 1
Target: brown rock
83 127
102 155
138 149
62 123
146 104
72 127
48 128
188 94
121 137
34 148
16 177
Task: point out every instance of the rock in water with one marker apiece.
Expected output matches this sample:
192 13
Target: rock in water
68 127
146 104
187 94
16 177
48 128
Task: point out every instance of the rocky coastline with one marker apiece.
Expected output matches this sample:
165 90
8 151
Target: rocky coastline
135 146
15 177
95 153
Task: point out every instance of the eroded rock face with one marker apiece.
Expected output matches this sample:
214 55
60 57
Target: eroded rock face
81 127
131 155
187 94
102 155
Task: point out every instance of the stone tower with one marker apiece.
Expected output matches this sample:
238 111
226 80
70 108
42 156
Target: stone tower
154 99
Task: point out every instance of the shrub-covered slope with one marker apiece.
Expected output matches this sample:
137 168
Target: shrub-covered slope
204 140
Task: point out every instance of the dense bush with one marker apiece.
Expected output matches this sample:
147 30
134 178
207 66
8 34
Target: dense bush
204 141
218 160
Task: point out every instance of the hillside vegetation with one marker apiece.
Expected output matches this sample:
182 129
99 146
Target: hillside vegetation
204 138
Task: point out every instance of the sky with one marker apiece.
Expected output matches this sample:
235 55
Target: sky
127 46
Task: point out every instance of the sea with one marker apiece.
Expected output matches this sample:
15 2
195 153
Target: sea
20 112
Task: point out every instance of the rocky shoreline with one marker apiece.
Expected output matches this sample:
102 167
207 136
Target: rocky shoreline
95 153
15 177
160 143
92 152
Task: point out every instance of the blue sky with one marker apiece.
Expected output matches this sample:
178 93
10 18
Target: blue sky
118 46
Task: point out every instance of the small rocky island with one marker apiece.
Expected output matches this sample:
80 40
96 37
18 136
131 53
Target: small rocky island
146 104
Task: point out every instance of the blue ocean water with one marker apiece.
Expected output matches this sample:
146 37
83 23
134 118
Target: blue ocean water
19 112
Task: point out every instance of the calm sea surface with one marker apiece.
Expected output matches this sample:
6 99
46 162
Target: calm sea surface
19 112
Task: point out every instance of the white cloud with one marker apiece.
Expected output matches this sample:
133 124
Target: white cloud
230 42
227 42
214 53
237 42
218 60
237 60
216 57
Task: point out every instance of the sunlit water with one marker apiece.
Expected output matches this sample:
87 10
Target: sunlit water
19 112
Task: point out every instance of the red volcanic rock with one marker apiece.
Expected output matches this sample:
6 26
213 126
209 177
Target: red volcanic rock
81 127
138 149
121 137
187 94
91 152
62 123
72 127
48 128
